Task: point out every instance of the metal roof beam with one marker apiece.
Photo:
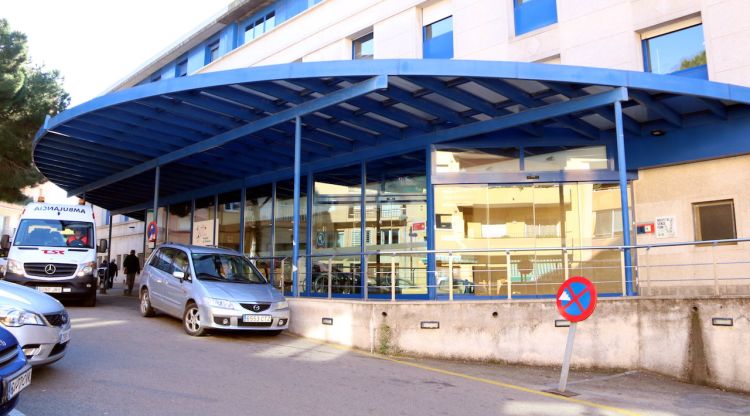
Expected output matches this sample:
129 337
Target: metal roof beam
463 97
521 97
658 107
60 142
420 141
367 86
367 105
630 125
715 107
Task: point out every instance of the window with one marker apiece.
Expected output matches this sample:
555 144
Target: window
363 48
259 26
181 263
156 77
438 39
608 223
162 260
714 220
181 68
212 52
530 15
679 52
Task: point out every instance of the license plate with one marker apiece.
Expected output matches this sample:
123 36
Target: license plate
64 336
17 384
49 289
257 318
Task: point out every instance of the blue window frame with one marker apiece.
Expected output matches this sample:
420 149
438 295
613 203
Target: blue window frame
212 51
181 68
681 52
259 26
363 47
530 15
438 39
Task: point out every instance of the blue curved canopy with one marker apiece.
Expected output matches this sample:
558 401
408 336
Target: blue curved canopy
223 130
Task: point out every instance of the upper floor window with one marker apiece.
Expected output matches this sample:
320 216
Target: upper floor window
438 39
678 52
155 77
363 48
212 52
714 220
181 68
260 26
530 15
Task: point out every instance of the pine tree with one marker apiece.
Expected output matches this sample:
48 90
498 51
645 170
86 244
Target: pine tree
28 93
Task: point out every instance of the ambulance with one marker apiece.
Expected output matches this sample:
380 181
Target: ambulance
54 251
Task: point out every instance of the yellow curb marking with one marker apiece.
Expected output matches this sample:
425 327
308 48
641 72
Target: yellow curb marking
479 379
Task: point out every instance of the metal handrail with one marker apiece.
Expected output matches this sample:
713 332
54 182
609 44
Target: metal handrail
509 253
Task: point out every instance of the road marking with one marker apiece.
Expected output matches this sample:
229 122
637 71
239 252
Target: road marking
480 379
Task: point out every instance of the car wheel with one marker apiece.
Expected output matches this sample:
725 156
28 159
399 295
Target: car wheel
146 309
90 301
191 320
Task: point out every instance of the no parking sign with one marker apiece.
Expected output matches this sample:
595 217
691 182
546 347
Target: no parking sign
576 299
151 232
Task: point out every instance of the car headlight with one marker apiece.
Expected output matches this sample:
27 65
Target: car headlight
15 267
87 268
14 317
282 305
220 303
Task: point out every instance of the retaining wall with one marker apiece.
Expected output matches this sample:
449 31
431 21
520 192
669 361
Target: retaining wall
669 336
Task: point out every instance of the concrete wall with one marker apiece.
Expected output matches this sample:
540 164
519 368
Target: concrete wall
669 336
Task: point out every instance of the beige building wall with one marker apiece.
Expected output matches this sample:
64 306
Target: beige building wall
605 33
671 192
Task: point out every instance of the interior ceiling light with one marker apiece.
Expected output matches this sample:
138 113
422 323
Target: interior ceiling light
658 133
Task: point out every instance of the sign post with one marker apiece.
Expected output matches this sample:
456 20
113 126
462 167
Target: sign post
576 301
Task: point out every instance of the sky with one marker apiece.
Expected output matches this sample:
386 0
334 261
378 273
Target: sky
96 43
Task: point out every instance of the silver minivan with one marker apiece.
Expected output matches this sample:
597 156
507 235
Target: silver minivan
210 287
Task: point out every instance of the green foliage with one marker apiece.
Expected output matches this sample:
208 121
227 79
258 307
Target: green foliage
697 60
28 93
385 333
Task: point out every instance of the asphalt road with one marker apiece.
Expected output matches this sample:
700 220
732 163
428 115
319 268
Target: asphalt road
122 364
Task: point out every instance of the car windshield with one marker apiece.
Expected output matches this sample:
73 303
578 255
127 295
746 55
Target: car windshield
55 233
225 268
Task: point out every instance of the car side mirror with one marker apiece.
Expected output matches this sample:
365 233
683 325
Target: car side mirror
179 275
102 247
5 242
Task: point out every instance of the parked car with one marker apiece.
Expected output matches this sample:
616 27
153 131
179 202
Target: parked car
15 371
39 322
210 287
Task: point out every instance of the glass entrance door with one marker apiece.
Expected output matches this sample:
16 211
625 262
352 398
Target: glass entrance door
535 220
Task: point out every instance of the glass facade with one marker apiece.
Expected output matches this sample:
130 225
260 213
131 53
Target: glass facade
542 224
203 222
228 220
542 218
396 215
179 223
283 233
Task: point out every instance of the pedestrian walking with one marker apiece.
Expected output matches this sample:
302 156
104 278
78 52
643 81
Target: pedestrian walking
130 266
112 273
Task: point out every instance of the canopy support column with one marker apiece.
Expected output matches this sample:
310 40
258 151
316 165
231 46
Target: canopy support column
623 179
295 215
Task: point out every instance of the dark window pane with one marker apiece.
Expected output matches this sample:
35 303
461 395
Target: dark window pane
715 221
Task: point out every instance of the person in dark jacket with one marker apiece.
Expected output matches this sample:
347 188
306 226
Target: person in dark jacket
112 274
130 266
